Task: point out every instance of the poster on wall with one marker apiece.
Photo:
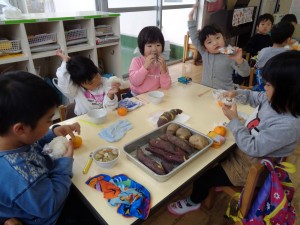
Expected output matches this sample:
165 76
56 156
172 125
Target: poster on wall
242 15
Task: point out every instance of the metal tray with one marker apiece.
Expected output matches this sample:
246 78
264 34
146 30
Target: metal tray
131 148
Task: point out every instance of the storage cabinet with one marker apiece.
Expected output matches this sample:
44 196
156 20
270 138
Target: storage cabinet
40 34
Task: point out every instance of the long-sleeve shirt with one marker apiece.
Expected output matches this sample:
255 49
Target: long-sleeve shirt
217 68
143 80
33 186
266 134
257 42
85 99
267 53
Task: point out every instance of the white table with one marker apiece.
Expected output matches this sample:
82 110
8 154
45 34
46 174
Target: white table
196 101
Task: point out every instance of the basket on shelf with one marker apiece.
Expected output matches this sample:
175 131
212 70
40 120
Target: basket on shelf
10 46
103 30
107 39
75 34
42 39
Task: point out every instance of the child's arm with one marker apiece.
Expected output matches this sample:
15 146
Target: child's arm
63 57
165 79
137 72
241 65
194 34
110 100
65 84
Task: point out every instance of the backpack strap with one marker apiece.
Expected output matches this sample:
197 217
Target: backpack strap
239 216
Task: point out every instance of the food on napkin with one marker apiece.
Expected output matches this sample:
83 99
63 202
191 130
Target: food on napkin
168 116
229 50
57 147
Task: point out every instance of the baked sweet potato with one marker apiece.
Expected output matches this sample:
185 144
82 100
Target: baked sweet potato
150 163
168 167
180 143
178 159
168 116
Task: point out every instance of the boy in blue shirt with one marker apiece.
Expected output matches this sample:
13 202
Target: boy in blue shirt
34 187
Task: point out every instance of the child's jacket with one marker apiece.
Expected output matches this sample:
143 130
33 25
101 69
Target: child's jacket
33 186
217 68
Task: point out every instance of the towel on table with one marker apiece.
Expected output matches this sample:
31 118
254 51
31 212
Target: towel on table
132 198
115 131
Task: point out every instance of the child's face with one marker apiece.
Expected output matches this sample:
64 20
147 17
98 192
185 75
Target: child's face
93 84
214 42
269 90
264 27
152 48
41 128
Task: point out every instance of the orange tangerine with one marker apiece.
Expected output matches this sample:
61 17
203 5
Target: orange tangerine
76 141
122 111
220 103
221 130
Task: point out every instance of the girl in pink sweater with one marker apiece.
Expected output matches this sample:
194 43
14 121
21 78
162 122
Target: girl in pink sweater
149 71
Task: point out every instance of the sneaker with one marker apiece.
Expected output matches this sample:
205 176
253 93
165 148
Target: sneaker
181 207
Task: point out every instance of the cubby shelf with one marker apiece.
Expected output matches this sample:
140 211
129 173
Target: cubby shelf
45 63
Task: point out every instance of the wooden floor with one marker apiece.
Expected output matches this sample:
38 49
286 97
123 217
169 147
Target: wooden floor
214 216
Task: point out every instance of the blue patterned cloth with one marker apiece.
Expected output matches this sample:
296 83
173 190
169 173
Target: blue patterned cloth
132 198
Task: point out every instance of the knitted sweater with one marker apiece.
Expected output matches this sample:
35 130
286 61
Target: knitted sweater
143 80
265 134
33 186
217 68
85 99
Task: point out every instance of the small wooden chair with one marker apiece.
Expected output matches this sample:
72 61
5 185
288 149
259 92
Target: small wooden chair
66 111
257 174
250 82
189 48
121 92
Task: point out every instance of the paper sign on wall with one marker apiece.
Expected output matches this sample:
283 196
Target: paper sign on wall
242 15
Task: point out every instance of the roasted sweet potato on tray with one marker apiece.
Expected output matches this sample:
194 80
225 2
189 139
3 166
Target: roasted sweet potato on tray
178 159
168 167
150 163
180 143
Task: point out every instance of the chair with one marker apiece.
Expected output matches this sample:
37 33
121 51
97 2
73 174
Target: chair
257 174
248 84
66 111
189 48
121 92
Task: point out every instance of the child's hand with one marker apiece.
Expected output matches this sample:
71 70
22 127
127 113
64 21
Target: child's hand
238 56
149 60
162 64
70 150
114 90
191 14
229 94
64 130
63 57
230 112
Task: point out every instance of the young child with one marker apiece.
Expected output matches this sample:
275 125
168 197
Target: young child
273 130
262 38
281 34
217 67
291 18
149 71
78 77
34 187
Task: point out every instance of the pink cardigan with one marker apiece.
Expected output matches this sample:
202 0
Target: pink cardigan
142 80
